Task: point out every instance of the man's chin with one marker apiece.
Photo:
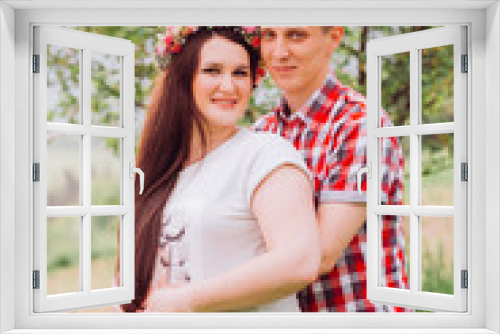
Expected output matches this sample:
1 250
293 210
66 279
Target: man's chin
286 84
291 89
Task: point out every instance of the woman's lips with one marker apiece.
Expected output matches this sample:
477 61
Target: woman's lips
225 103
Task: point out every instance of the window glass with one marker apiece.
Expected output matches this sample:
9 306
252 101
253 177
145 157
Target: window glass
63 255
63 169
437 169
106 89
63 85
106 171
437 84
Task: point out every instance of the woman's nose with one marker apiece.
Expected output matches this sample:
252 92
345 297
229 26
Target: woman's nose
227 82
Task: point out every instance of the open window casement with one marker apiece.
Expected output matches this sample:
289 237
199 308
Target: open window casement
419 209
73 125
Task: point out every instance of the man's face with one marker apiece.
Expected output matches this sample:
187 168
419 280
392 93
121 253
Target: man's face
298 57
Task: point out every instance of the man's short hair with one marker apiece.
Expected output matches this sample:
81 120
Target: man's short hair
325 29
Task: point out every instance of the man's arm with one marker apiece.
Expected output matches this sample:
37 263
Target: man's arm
339 222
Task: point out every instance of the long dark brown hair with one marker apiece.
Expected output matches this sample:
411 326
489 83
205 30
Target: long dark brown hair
164 148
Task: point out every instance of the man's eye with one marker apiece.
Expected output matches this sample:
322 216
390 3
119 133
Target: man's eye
296 35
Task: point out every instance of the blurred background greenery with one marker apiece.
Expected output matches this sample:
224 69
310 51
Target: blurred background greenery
349 61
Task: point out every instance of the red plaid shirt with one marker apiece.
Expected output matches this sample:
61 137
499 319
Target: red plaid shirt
330 132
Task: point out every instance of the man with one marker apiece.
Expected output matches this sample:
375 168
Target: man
326 122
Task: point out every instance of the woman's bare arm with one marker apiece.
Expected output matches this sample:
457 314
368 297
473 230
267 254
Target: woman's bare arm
283 205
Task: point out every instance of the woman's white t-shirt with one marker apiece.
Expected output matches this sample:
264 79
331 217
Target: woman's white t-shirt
208 226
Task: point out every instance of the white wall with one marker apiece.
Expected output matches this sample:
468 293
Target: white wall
492 150
481 148
7 159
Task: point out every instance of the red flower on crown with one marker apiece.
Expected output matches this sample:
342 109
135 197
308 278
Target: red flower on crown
174 39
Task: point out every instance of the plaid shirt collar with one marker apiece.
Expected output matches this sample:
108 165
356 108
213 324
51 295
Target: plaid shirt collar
312 106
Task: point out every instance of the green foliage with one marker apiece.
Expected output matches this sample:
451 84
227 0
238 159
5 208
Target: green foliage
62 243
62 240
437 273
114 144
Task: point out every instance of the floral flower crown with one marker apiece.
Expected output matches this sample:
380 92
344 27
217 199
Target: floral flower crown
175 38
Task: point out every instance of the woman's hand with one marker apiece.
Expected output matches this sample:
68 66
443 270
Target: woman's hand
169 299
165 297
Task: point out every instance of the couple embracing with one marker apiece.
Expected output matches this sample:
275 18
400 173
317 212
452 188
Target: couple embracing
262 219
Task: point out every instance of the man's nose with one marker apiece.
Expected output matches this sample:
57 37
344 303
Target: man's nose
281 48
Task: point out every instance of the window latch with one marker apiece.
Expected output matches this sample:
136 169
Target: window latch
368 170
132 170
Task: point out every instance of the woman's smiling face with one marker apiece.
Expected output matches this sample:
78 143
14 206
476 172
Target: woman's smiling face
222 83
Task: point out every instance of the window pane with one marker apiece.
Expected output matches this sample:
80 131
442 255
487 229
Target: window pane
395 89
63 84
105 251
395 171
63 255
437 169
437 254
63 169
106 171
437 84
106 81
395 252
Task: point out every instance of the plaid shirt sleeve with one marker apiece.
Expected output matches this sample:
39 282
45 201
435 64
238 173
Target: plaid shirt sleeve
346 157
392 168
393 244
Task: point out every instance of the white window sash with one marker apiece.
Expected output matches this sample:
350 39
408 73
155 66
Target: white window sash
86 43
413 298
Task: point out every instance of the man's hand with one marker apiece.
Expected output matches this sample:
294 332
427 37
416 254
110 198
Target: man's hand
339 223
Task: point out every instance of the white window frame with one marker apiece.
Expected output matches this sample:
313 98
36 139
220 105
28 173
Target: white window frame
483 21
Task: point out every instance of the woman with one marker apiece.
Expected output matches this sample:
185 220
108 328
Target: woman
226 221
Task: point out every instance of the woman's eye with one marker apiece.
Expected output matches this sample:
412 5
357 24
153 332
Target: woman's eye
241 73
211 70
